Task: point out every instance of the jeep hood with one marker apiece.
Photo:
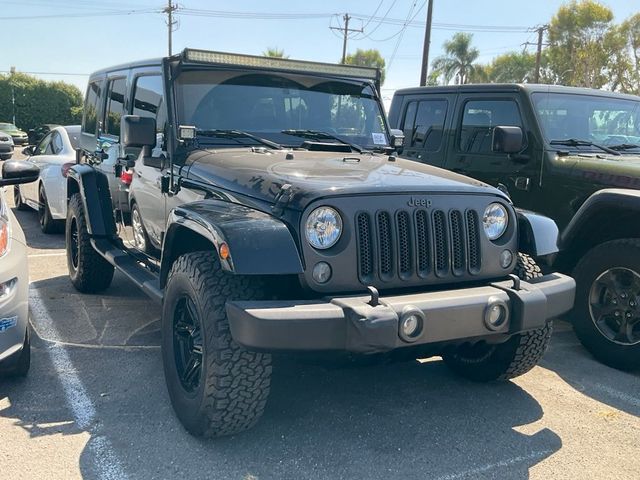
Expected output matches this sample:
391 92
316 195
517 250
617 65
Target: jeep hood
313 175
605 170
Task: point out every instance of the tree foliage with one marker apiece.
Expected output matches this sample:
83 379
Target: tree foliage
38 101
581 43
367 58
458 62
275 53
513 67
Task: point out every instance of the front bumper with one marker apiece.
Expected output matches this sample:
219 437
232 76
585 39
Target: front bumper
14 307
352 324
20 140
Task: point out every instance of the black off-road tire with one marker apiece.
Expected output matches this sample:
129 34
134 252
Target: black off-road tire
89 272
233 383
484 362
47 223
623 253
18 364
17 199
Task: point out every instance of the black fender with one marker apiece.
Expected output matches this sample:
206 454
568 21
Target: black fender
607 214
259 244
538 235
93 187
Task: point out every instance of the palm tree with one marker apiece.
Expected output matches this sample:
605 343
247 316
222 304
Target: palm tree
458 61
274 52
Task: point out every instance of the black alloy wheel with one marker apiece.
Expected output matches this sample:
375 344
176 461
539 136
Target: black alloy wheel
187 344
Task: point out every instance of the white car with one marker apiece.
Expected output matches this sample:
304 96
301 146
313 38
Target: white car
15 356
54 155
6 146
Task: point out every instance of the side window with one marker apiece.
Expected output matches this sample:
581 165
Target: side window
148 100
429 125
44 145
115 106
91 108
478 120
56 143
409 121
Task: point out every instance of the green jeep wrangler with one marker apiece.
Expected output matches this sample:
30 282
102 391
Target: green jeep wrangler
569 153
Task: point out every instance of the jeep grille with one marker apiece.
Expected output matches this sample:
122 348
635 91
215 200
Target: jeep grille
419 244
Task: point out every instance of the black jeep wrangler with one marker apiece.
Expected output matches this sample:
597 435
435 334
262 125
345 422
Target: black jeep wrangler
281 220
574 155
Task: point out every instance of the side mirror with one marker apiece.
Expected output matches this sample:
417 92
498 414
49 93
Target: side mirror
397 137
15 172
507 139
137 131
29 151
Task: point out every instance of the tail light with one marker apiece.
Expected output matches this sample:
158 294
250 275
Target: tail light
65 168
126 176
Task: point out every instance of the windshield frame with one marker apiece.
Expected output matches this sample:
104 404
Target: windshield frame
540 96
289 76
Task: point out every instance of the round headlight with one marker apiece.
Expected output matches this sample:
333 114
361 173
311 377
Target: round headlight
324 227
495 221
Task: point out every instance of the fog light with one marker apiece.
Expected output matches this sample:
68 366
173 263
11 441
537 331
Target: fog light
506 257
411 322
322 272
496 313
7 288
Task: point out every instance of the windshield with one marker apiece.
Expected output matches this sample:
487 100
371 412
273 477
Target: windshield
606 121
7 126
273 106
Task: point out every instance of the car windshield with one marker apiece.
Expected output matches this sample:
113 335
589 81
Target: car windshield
274 107
589 122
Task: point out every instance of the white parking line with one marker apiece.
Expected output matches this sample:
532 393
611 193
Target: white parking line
57 254
106 462
473 472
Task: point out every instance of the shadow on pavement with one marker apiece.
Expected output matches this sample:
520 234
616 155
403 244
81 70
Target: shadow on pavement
35 238
575 365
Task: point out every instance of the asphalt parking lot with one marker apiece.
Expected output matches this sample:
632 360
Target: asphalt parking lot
95 406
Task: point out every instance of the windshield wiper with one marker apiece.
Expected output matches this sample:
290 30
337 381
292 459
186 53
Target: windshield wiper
574 142
624 146
318 135
235 134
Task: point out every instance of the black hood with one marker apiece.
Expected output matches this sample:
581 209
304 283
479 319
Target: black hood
313 175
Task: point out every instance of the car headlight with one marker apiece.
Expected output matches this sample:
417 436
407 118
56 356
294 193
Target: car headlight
495 221
323 228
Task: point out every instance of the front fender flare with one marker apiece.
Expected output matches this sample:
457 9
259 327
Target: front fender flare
538 234
259 244
598 209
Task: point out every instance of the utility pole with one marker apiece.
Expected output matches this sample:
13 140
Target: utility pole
541 30
170 21
345 32
427 44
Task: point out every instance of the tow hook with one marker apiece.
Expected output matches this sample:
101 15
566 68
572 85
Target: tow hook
516 281
375 296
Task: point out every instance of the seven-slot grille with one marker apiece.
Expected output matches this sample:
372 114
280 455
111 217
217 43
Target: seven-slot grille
420 244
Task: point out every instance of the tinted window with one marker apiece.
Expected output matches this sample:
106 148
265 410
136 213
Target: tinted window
56 143
91 108
147 99
73 134
115 106
428 126
409 120
479 118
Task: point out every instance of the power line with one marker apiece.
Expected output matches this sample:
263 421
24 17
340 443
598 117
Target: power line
48 73
84 15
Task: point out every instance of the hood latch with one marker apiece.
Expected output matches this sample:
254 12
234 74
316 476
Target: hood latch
282 199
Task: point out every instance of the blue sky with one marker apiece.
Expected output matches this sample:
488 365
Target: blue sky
81 44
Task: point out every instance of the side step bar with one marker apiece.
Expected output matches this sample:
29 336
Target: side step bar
132 268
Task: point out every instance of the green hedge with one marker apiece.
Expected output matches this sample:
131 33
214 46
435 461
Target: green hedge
39 101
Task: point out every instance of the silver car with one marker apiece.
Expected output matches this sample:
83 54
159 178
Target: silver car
15 357
6 146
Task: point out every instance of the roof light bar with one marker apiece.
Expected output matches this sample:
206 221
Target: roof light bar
205 56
